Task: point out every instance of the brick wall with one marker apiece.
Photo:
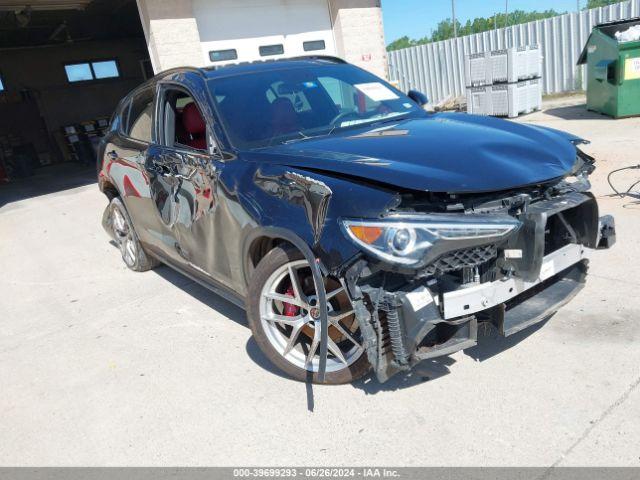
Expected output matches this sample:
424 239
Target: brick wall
359 34
171 33
173 38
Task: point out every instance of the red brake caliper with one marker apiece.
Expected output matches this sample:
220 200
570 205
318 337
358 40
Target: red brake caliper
289 309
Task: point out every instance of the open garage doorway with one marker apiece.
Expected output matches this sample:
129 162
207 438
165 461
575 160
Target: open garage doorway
64 66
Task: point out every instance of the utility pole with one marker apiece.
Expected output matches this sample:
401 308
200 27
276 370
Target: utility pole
506 13
453 15
506 22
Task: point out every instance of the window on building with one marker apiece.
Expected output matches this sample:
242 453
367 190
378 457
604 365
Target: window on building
268 50
87 71
139 121
314 45
79 72
106 69
223 55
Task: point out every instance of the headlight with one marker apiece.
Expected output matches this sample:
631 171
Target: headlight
414 241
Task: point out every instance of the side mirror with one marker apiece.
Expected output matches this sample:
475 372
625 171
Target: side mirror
418 97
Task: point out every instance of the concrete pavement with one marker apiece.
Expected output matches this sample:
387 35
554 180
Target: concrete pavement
103 366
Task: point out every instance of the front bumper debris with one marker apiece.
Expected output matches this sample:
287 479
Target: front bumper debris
606 232
422 325
420 320
488 295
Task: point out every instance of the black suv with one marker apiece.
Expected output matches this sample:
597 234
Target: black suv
356 229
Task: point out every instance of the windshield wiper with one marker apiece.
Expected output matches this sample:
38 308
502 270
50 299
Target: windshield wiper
391 119
308 137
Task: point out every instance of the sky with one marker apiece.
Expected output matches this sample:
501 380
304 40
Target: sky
416 18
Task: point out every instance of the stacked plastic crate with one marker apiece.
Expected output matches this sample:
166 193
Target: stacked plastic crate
504 83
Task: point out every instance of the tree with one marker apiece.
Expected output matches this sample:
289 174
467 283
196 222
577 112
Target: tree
402 42
444 30
601 3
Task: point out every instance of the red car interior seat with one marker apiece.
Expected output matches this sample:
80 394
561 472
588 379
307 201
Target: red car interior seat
195 127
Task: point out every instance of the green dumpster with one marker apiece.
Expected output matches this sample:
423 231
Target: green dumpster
612 55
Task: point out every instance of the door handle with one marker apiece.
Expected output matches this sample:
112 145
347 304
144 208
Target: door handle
112 154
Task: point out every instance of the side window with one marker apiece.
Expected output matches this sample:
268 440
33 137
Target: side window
291 92
183 124
355 98
139 124
340 92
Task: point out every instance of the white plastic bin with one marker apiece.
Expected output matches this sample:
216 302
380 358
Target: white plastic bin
503 66
505 100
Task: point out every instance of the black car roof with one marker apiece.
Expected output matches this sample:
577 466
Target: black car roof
252 67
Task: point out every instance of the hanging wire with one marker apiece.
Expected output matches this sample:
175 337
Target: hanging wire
626 193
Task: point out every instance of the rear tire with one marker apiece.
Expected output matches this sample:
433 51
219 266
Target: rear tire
287 332
123 233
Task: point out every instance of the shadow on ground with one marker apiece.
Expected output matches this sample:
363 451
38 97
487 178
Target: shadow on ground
576 112
203 295
222 306
50 179
490 344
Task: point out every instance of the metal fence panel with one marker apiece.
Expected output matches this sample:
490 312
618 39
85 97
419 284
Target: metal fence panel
438 68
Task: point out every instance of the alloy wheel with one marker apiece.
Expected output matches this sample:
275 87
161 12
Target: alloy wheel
291 319
125 237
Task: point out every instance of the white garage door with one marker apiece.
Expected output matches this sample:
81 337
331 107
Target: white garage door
234 31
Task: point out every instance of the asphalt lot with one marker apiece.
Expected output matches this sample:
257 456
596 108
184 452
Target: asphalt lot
103 366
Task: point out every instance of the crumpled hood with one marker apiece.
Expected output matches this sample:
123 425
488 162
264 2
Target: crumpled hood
445 152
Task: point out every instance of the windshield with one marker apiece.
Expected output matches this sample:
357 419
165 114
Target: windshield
292 104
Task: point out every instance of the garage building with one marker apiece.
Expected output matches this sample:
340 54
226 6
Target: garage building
64 64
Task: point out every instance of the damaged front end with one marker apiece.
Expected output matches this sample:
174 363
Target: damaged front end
509 259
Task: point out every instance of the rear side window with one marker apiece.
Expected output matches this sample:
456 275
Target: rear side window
139 121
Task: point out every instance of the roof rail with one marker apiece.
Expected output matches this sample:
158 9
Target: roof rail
164 73
328 58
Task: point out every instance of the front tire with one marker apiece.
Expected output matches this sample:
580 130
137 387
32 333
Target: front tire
284 318
121 229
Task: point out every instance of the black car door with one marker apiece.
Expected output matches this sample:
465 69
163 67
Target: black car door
187 159
166 173
142 188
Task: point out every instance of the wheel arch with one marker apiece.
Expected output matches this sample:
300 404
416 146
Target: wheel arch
108 188
262 240
317 270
